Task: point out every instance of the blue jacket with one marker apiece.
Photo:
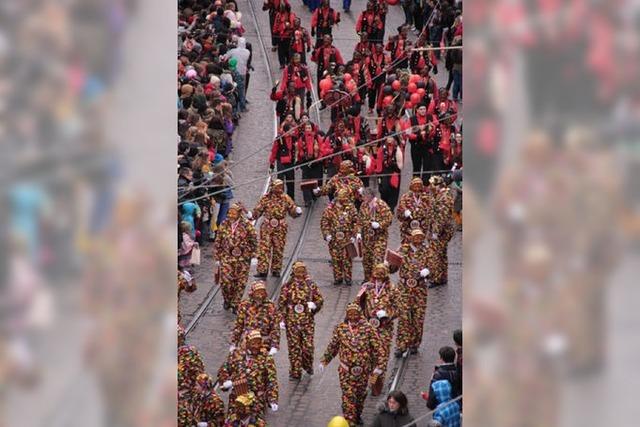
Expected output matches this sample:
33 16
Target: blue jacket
448 414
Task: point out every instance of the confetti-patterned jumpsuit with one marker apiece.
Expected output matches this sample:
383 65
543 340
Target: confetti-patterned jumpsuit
259 370
257 315
338 182
374 241
418 205
340 221
442 230
412 291
273 230
299 321
195 405
358 349
375 296
235 245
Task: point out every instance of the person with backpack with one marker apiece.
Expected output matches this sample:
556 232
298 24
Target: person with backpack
446 370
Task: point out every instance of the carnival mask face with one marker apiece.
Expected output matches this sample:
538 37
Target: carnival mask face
260 295
300 272
278 190
233 214
416 187
418 239
254 345
352 316
379 274
345 168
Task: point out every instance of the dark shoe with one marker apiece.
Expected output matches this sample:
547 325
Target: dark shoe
359 422
413 350
260 275
337 282
275 273
348 282
274 48
399 353
226 305
234 310
294 377
309 372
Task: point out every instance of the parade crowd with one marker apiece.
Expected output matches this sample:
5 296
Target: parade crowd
356 166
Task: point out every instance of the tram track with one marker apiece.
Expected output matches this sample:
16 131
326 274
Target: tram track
214 291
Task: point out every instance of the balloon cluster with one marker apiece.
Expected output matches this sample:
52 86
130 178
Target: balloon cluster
407 88
347 84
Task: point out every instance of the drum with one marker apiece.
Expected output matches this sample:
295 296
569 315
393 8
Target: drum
352 250
394 259
376 387
241 387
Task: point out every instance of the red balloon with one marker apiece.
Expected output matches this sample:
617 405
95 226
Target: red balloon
347 77
395 85
421 92
326 84
408 105
352 86
412 87
415 98
387 100
414 78
393 2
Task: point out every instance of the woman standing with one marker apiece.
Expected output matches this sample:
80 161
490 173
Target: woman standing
394 412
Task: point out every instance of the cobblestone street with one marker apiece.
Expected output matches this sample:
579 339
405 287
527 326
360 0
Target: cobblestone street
314 400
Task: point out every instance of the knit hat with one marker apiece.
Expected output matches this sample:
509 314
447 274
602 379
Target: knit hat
257 285
436 180
254 335
353 307
299 265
